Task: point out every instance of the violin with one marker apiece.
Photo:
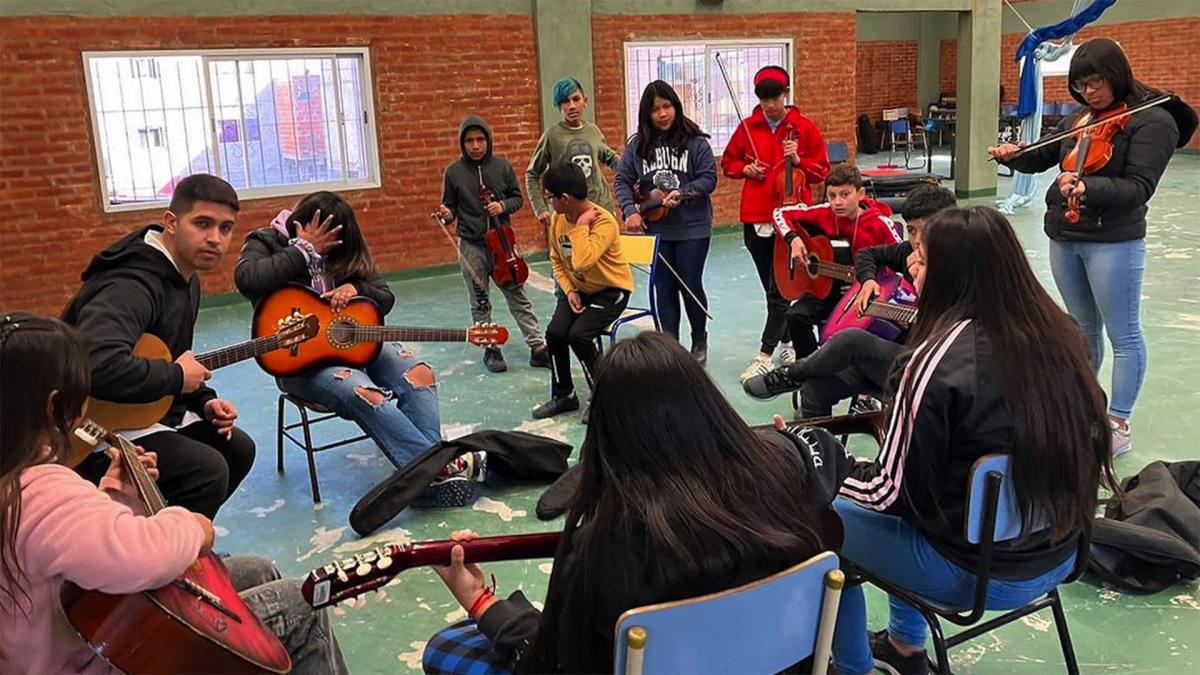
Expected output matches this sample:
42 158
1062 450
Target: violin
508 267
789 182
1094 149
653 207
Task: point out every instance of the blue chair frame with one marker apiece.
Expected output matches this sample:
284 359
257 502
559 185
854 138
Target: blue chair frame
993 515
632 314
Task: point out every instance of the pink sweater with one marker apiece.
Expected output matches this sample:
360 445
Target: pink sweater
70 531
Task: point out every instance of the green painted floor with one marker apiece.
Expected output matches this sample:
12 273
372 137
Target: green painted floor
272 514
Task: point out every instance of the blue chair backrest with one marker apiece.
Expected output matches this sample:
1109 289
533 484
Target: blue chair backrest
1049 108
1009 522
899 126
838 151
1008 110
1067 107
761 627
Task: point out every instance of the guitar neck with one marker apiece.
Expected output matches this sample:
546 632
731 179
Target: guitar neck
834 270
227 356
405 334
890 312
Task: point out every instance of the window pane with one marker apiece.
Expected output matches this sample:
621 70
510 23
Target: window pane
679 65
741 63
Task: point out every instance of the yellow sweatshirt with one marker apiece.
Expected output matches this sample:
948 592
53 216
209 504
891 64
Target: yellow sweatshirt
587 258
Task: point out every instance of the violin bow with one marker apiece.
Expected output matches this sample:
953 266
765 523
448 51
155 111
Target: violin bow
1054 138
737 108
682 284
458 252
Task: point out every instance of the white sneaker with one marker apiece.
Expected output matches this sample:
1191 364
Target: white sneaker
1122 442
757 367
787 355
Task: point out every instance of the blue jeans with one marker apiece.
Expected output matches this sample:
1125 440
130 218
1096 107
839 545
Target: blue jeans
893 549
402 418
687 258
1101 285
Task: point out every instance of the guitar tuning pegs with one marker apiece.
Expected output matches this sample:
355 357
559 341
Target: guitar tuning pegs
342 576
384 562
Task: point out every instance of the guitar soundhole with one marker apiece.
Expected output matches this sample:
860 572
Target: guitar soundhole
341 332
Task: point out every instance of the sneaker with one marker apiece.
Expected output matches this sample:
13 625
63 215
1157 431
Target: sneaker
587 409
771 384
757 367
457 484
1122 441
494 360
787 355
862 405
556 406
539 357
889 660
700 351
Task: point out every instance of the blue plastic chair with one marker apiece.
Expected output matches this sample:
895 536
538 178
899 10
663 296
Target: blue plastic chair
838 152
761 627
993 516
641 252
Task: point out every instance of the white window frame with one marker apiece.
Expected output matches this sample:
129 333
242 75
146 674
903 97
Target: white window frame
710 46
370 132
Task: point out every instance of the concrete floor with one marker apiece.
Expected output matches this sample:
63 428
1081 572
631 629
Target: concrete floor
272 513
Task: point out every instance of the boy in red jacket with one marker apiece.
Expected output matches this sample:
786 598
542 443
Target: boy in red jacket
847 216
756 153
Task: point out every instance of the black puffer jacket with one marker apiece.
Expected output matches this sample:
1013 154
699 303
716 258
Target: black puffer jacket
1115 197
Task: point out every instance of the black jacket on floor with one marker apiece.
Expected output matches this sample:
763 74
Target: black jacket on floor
131 288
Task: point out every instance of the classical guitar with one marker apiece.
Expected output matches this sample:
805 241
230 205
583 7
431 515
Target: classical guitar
352 337
287 331
195 624
886 317
345 579
815 275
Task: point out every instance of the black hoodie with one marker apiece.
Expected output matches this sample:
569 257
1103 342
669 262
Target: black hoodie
131 288
460 185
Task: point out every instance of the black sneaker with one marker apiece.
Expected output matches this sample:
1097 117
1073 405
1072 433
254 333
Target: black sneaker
457 484
774 383
862 405
889 660
557 498
556 406
494 360
539 357
700 351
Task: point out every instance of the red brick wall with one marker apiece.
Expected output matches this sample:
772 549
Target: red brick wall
52 215
1164 54
885 77
821 84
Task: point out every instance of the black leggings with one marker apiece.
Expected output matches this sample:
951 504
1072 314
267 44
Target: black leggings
687 258
570 332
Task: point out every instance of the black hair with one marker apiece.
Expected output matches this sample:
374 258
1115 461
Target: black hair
925 200
202 187
565 178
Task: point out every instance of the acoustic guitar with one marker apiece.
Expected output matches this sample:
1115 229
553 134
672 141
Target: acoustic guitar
886 317
196 624
352 337
288 330
814 275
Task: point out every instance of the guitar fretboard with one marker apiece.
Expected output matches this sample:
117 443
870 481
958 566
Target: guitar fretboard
890 312
225 356
400 334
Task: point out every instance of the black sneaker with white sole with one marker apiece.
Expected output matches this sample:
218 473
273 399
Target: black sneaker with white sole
771 384
889 660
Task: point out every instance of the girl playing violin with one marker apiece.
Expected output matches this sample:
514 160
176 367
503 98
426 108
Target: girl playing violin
1098 261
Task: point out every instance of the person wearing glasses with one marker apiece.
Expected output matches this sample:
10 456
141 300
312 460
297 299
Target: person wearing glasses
1098 262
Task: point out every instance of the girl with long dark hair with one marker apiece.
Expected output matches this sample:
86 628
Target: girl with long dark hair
394 400
677 498
992 366
670 152
55 527
1098 262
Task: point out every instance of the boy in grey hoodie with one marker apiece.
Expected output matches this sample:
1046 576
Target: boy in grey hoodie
461 201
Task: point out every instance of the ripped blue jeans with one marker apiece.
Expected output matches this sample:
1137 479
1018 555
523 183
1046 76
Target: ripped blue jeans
394 400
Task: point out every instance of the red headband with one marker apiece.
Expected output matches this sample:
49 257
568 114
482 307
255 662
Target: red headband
772 73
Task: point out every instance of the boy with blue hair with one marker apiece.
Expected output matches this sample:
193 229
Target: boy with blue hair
575 140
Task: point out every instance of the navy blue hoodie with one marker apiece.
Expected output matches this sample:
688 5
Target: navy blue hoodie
696 169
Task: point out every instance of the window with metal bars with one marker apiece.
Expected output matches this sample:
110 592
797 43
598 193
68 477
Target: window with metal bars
691 69
271 122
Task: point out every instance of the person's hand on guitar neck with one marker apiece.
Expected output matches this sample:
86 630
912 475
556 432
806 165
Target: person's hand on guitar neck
869 289
194 373
340 296
464 580
318 233
118 475
222 414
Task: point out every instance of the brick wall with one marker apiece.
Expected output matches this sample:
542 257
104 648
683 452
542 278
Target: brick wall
1164 53
821 85
52 213
885 77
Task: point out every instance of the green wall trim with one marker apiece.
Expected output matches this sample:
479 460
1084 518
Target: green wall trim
260 7
972 194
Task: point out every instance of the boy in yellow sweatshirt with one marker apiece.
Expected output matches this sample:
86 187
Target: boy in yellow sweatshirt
585 255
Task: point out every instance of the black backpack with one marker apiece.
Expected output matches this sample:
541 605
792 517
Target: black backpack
866 136
1150 540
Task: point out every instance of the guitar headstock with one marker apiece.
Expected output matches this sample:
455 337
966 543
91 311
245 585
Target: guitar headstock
487 335
330 584
296 328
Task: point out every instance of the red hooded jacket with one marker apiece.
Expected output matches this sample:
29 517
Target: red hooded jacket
873 227
760 197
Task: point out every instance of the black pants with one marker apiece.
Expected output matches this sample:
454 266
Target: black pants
687 258
805 315
853 362
197 468
570 332
762 251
